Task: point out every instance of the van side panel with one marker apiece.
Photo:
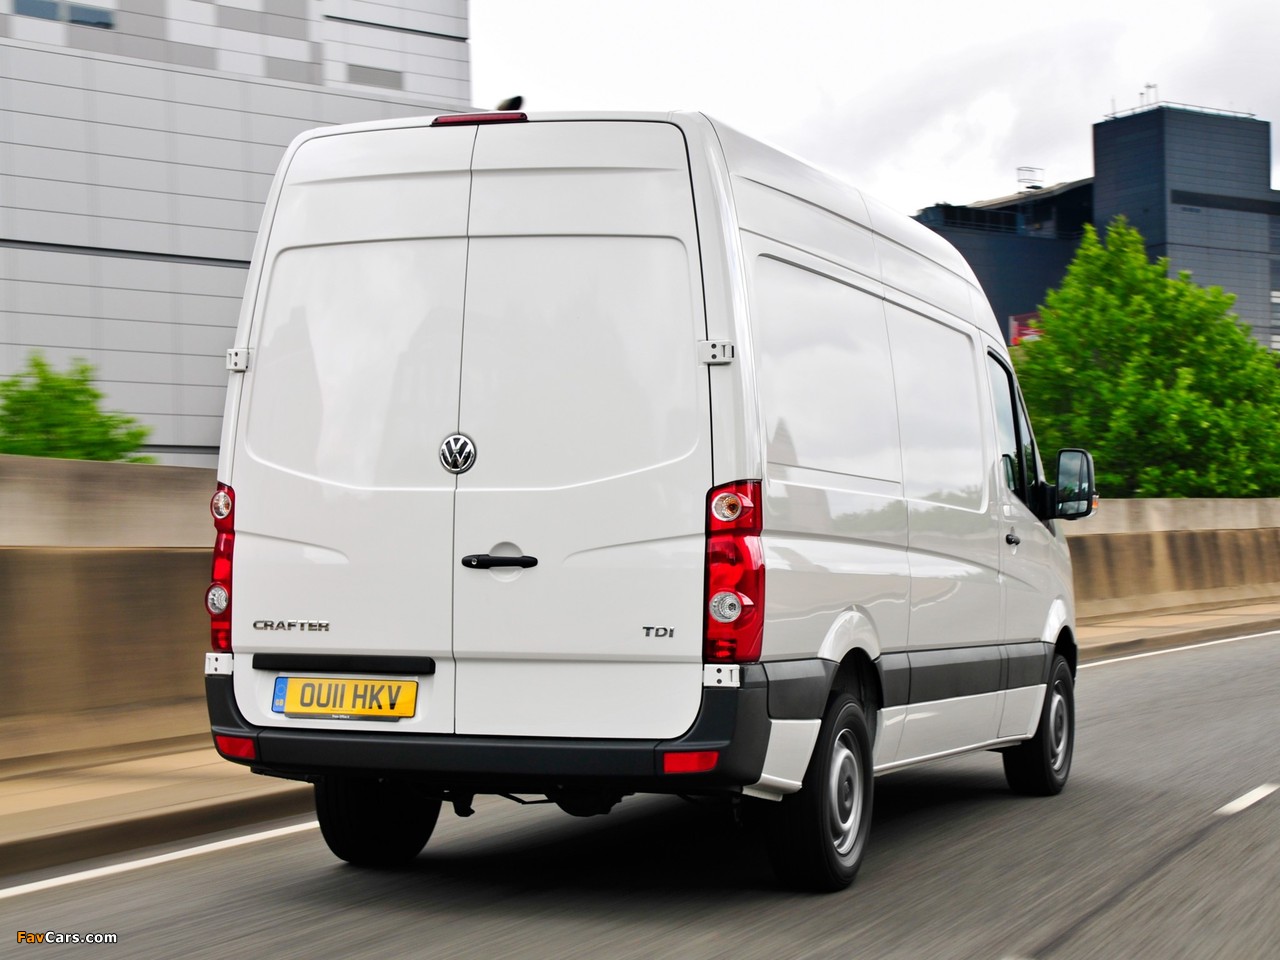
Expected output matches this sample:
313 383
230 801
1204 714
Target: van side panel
770 211
835 522
751 160
908 272
582 390
909 234
953 547
889 514
955 562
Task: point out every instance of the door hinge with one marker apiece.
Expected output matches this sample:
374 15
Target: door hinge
715 352
238 359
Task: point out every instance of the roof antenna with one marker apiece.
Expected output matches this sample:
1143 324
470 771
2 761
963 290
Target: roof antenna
511 103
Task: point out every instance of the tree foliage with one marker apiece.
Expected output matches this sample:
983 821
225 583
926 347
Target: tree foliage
1154 375
44 413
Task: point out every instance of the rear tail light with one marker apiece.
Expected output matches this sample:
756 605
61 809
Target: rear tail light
734 600
217 599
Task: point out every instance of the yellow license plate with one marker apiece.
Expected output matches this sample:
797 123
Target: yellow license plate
342 698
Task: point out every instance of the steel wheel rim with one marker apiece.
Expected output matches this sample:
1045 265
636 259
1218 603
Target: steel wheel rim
844 794
1059 727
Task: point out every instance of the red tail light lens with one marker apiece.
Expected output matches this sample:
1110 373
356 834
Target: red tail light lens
734 600
691 761
242 748
217 599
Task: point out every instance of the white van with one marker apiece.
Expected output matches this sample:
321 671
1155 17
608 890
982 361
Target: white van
584 455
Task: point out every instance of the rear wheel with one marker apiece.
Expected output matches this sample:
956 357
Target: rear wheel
374 823
817 836
1039 766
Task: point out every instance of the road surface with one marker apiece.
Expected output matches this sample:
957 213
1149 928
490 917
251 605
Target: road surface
1165 844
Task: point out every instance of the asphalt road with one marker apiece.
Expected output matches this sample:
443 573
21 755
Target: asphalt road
1131 861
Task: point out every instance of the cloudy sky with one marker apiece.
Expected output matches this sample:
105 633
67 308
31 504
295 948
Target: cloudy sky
915 101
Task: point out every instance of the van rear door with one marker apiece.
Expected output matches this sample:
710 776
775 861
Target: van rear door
582 392
344 515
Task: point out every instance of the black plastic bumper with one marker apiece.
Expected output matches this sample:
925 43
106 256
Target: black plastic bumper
732 721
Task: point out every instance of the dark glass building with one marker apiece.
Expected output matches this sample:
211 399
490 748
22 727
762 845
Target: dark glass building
1195 182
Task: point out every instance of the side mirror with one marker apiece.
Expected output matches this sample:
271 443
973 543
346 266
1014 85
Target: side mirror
1074 494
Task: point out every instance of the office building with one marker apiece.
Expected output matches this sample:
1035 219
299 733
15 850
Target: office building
1195 182
138 139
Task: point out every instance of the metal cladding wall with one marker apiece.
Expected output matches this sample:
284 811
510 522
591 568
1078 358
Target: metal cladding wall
134 160
1197 184
1129 175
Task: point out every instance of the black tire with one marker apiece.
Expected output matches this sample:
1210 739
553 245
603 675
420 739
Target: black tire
1039 767
817 836
373 823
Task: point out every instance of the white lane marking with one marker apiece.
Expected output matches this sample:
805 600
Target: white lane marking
1248 800
131 865
1161 653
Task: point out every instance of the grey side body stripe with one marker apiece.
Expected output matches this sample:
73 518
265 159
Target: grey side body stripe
920 676
798 689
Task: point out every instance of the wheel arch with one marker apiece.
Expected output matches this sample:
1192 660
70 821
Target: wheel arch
1066 647
1059 633
857 675
853 643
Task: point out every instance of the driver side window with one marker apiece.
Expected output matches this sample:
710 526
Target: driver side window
1018 457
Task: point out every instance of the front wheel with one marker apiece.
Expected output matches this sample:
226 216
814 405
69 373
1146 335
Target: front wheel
1039 766
817 836
374 823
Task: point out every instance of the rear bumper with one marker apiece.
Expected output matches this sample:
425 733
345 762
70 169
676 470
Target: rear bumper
732 721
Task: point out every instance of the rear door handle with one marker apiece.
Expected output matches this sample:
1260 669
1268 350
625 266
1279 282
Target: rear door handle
1012 539
483 561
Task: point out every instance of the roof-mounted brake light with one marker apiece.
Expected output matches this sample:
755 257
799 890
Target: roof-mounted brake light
502 116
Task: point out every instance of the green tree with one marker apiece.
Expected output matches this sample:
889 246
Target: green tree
1154 375
44 413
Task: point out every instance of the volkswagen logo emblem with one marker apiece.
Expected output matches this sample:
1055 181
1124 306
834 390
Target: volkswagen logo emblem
457 453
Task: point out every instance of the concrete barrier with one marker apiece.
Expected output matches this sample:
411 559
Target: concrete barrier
88 629
78 503
1155 516
1173 569
103 568
1135 556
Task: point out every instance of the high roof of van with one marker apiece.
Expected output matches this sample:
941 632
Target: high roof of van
749 159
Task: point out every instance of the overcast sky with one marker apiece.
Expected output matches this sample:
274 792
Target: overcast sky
915 101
